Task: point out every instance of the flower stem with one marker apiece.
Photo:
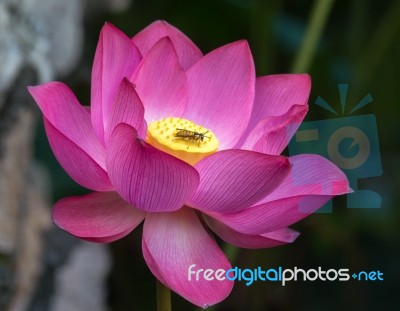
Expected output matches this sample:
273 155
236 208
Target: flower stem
379 43
318 19
163 297
232 252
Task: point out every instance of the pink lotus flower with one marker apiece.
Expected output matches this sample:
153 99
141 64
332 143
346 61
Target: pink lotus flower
227 173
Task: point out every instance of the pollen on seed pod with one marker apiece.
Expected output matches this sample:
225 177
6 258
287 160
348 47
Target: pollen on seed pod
182 138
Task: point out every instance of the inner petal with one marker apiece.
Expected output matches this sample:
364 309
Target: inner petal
182 138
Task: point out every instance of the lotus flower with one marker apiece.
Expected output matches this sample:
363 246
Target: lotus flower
185 142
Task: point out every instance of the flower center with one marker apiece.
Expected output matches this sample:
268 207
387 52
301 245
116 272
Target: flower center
182 138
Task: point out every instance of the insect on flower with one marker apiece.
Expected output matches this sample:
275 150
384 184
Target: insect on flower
191 135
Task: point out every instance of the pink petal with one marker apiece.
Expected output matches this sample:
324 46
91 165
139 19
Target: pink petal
172 242
61 108
232 180
76 162
146 177
272 134
127 109
312 182
271 239
161 82
280 105
311 175
276 94
98 217
116 57
71 135
221 92
188 53
109 239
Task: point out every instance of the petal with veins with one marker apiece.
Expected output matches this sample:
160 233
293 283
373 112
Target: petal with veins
64 112
98 217
116 57
161 82
272 134
146 177
312 182
266 240
221 92
187 51
172 242
280 105
232 180
76 162
128 108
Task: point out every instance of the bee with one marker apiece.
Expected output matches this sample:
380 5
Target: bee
191 136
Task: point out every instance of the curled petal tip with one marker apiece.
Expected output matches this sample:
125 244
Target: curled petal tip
241 44
161 21
108 24
306 78
296 234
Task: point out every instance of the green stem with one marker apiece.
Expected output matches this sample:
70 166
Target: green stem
163 297
232 252
318 19
379 43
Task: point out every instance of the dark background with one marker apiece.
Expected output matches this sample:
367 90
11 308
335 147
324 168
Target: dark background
359 46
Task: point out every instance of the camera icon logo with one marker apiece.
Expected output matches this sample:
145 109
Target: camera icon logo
351 142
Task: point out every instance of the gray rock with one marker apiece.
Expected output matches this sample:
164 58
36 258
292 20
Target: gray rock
79 284
45 35
39 41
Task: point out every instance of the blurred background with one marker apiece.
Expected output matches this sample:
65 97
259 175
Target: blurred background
43 268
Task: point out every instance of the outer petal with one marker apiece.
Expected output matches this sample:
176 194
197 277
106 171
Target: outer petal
71 135
221 92
61 108
172 242
271 239
312 182
145 176
76 162
272 134
161 82
280 105
188 53
116 57
127 109
232 180
276 94
97 217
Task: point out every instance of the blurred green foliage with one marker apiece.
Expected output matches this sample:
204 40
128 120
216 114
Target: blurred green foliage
360 46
